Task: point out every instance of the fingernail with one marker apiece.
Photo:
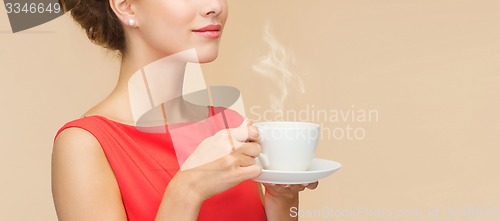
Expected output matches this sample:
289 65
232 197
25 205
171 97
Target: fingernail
305 184
287 185
273 184
254 128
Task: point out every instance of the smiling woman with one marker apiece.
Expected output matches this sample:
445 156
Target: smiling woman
104 168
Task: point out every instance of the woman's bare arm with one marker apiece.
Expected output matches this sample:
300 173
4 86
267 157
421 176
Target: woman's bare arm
83 184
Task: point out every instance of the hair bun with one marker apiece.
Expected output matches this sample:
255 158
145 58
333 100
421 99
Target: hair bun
99 21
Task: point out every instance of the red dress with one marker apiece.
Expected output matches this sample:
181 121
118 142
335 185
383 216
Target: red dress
144 163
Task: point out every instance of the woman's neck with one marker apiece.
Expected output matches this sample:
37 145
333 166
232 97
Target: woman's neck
164 75
145 84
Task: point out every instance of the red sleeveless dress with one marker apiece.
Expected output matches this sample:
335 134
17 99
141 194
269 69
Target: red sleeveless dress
144 163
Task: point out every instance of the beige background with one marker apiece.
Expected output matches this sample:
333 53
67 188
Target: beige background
430 68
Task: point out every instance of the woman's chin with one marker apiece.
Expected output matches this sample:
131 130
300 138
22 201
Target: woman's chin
207 57
197 55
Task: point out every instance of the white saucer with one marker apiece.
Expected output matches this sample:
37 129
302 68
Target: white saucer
319 169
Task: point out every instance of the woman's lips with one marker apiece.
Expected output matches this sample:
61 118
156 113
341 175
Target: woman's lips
209 34
209 31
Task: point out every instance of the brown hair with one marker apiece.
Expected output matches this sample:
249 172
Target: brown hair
99 22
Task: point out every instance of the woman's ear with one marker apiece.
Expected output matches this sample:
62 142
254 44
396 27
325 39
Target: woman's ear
124 11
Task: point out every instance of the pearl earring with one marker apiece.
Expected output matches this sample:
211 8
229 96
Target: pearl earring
131 22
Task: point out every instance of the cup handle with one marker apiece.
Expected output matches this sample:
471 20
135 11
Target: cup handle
264 162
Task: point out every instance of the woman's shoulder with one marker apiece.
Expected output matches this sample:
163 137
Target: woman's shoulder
77 133
94 120
82 124
75 137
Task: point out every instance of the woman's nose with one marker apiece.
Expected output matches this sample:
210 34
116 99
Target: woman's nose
212 7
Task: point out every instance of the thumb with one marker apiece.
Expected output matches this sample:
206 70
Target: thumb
241 132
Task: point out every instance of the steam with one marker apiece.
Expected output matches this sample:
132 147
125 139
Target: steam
276 66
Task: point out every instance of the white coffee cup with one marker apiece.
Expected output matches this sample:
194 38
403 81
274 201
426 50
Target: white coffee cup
287 146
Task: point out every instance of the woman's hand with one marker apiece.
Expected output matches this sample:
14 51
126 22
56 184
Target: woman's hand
221 144
223 160
224 173
211 169
279 199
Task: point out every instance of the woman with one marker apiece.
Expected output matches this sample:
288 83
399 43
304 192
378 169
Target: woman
103 168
